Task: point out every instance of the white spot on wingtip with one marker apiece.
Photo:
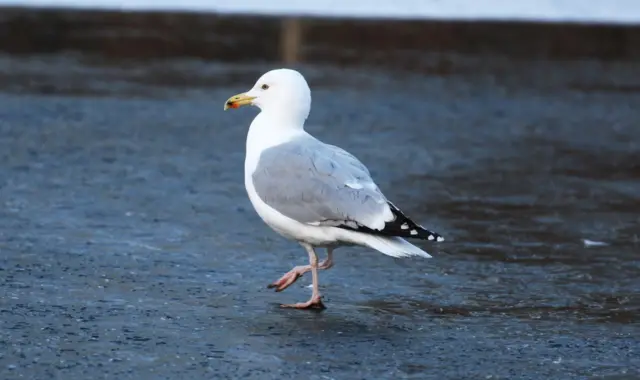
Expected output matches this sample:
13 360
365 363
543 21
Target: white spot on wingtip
440 239
414 232
404 226
430 237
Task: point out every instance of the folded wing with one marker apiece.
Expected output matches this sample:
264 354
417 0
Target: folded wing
319 184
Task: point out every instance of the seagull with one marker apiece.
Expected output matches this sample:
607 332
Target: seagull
316 194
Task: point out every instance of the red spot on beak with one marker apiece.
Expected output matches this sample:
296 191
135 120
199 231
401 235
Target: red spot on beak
233 105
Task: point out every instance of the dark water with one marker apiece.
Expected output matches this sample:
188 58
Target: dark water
129 249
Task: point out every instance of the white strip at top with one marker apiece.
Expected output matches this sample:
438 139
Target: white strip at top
577 11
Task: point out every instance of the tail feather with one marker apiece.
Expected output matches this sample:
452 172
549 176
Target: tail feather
392 246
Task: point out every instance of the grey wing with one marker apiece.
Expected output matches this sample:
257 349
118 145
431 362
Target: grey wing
320 184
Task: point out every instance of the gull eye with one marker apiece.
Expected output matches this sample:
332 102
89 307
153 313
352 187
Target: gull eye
265 87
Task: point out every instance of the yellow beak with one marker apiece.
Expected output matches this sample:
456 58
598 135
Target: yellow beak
238 101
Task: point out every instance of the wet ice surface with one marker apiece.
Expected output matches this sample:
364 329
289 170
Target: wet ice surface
130 250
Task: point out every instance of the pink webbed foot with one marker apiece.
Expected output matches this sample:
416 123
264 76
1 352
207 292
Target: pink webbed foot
294 274
289 278
315 302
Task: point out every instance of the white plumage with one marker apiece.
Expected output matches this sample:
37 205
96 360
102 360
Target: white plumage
314 193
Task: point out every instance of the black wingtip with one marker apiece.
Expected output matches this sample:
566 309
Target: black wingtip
408 228
400 226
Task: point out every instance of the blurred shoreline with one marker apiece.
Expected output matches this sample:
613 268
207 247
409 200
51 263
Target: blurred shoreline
113 35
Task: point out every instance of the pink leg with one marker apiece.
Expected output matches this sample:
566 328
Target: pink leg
315 302
291 276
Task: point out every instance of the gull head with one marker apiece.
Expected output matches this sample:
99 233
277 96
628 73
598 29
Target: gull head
283 91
